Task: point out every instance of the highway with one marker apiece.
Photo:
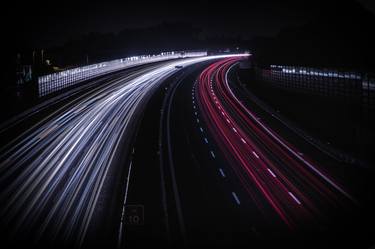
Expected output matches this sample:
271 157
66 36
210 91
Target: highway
58 177
230 180
180 141
273 172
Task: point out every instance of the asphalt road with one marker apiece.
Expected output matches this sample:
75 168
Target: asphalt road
173 181
171 157
58 178
61 179
229 180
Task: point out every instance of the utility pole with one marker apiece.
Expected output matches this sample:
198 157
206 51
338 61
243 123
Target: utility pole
42 54
33 57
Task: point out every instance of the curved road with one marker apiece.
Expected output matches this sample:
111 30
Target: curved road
55 176
181 144
232 181
275 175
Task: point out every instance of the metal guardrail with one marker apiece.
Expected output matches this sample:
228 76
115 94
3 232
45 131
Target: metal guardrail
54 82
323 82
320 145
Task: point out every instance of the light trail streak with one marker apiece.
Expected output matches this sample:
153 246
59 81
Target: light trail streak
282 183
52 176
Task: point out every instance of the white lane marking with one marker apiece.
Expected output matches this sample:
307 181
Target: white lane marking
201 129
222 113
212 154
197 120
228 121
294 198
193 102
194 106
271 172
124 204
255 154
205 139
195 113
236 198
234 129
243 140
222 172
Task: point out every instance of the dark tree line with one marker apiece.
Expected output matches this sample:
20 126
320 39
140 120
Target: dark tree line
340 36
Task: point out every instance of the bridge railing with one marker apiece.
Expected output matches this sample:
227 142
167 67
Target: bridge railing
54 82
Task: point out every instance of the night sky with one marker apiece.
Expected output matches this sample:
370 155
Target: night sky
54 22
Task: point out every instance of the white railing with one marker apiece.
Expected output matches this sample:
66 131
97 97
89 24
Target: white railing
316 72
54 82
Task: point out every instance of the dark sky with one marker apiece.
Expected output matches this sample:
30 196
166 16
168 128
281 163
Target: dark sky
53 22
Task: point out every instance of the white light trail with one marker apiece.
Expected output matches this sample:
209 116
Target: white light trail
52 177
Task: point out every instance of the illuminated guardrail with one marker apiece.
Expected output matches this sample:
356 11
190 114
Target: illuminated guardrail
316 72
325 82
54 82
